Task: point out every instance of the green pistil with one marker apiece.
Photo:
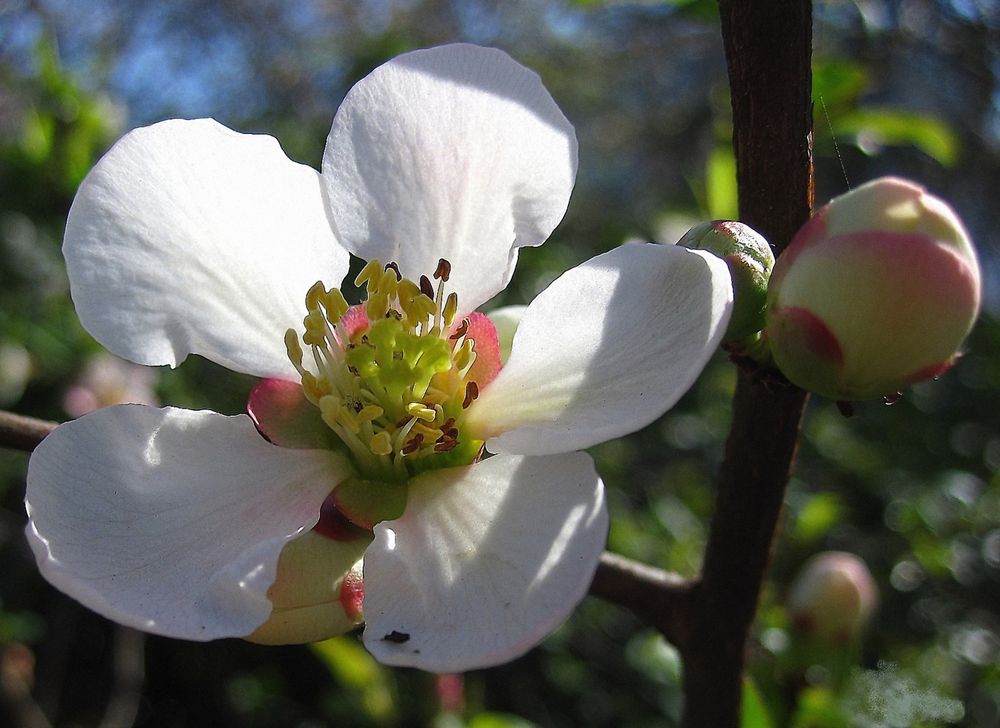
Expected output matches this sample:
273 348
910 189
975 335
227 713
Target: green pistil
394 388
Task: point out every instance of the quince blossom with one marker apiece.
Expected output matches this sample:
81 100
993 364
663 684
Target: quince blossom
189 238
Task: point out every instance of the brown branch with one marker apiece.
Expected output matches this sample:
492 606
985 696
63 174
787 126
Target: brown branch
657 597
19 432
129 663
768 51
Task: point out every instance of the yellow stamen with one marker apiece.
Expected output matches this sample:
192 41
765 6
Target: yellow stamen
421 412
381 443
370 413
371 271
450 309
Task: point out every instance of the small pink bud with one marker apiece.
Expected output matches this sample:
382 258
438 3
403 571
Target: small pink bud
878 290
833 598
106 380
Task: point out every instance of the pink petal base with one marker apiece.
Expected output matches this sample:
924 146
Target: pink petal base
814 335
284 416
352 595
487 364
333 524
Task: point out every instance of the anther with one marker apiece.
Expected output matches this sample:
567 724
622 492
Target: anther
314 295
413 445
418 410
391 265
450 309
381 444
426 287
462 329
293 348
471 394
443 270
444 445
336 304
348 420
371 272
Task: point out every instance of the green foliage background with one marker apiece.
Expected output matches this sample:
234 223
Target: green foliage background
908 88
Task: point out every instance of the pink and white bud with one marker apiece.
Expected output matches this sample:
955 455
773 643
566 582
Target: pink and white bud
877 291
833 598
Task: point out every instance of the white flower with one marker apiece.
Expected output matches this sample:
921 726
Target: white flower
190 238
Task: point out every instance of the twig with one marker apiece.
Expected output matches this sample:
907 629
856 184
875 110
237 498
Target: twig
23 433
657 597
129 676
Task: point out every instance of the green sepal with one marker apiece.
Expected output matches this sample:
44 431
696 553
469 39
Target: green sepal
367 502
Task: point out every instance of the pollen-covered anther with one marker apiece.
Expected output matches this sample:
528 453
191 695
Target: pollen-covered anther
391 265
450 311
421 412
370 413
443 270
413 445
445 444
461 331
471 394
381 443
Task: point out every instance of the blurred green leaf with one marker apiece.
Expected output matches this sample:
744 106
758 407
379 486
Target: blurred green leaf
875 127
755 713
820 513
837 82
720 184
818 708
498 720
352 666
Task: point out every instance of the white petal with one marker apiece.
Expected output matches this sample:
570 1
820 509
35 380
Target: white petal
486 561
506 320
189 238
456 152
606 349
170 520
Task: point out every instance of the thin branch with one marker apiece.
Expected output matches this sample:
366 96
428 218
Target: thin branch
129 664
18 432
768 51
659 598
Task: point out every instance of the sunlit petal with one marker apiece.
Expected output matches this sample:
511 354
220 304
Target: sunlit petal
608 347
188 237
486 561
170 520
456 152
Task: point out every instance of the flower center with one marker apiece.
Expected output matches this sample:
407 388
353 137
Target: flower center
391 377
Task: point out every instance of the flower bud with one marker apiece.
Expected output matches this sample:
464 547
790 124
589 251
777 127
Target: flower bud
876 291
833 598
750 260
